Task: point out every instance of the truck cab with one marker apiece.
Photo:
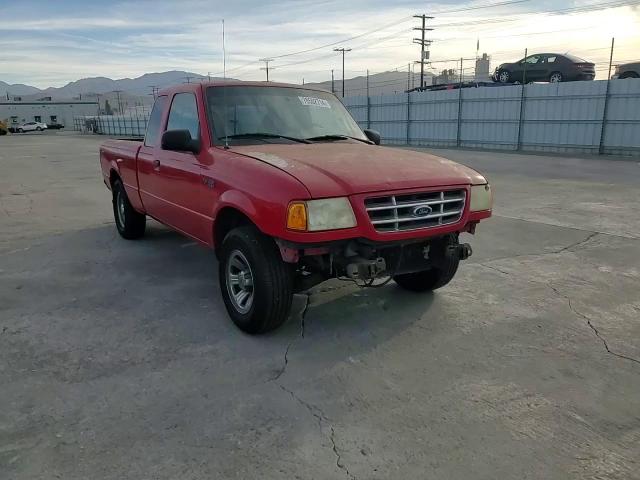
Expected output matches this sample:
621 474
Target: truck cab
290 192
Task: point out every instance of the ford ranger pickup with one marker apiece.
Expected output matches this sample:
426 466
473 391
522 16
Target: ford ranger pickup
290 192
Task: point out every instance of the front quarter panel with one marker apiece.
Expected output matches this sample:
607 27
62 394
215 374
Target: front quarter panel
260 191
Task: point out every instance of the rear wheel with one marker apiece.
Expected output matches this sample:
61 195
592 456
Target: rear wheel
20 130
555 77
39 129
256 284
130 223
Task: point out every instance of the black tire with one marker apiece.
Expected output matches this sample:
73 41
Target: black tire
504 76
20 130
38 129
629 75
556 77
271 280
436 277
130 223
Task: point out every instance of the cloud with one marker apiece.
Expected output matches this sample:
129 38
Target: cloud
63 41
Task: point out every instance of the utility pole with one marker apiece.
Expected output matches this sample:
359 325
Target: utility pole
154 90
408 77
424 54
118 92
209 76
343 50
188 78
266 65
333 87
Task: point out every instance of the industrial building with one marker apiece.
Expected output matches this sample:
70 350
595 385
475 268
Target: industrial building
15 111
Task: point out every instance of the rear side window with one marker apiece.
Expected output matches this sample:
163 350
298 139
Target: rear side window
184 114
551 59
153 127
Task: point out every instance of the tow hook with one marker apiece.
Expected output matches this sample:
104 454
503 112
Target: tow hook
462 251
363 269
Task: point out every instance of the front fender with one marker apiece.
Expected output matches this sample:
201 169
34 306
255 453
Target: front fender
268 217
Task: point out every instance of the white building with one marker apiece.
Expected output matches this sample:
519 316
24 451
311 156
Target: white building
15 111
483 72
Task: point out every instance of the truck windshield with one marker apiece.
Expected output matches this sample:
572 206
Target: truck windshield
249 115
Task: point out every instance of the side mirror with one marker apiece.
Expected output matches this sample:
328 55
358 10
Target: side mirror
180 141
372 135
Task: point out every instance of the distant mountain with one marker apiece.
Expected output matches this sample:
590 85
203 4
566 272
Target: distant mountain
133 86
16 89
385 83
100 85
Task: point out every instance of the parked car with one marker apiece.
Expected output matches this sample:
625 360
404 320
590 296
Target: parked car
54 126
31 127
627 70
545 67
290 192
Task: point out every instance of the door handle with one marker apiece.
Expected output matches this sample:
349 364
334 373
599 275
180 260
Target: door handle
156 164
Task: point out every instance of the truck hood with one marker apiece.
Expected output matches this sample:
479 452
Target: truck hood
341 168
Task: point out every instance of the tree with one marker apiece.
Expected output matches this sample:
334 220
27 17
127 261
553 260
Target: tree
107 108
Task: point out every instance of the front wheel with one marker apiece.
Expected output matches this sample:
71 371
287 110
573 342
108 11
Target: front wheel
130 224
438 275
256 284
20 130
504 76
39 129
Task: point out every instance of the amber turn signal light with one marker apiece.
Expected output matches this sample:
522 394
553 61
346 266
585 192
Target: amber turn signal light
297 216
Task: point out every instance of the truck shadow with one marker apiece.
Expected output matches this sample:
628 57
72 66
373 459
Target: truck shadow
158 298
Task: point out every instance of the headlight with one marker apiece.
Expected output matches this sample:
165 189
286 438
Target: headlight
481 198
317 215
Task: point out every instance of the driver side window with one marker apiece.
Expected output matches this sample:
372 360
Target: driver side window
184 114
533 59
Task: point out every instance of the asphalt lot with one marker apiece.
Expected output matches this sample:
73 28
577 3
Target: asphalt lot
117 359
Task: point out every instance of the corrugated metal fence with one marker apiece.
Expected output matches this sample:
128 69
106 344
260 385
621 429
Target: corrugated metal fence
588 117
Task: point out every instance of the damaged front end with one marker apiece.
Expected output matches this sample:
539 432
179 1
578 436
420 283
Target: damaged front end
364 261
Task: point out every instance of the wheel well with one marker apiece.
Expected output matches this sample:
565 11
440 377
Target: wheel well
113 176
227 219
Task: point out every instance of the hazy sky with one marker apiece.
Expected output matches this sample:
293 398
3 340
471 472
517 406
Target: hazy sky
49 43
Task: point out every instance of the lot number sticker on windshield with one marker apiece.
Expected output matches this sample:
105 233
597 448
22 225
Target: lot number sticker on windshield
314 102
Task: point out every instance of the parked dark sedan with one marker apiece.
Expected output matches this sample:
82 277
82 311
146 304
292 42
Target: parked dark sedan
627 70
545 67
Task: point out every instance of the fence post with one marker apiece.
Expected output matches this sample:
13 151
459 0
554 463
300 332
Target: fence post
408 118
522 102
458 141
606 102
368 103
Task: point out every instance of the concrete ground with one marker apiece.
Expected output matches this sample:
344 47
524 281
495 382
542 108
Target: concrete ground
117 359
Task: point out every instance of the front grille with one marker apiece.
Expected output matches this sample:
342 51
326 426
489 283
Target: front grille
395 213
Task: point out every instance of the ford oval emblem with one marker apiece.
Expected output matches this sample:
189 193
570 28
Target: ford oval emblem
421 210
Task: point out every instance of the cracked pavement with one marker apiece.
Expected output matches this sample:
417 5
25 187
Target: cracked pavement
118 361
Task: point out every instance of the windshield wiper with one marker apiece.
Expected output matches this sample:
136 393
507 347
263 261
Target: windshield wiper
338 136
264 135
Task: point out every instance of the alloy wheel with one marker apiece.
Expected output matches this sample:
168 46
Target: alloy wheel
239 281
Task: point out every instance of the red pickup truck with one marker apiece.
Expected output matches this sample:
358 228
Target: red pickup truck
290 192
